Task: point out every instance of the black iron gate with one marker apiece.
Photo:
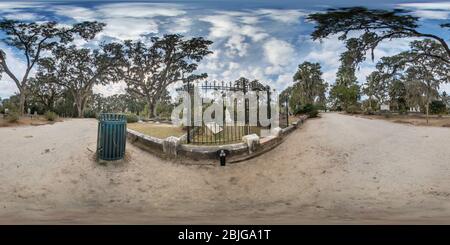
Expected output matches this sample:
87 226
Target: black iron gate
229 131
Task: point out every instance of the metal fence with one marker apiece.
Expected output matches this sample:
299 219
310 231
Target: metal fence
229 131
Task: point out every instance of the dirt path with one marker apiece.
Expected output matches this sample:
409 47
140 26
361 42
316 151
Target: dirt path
336 169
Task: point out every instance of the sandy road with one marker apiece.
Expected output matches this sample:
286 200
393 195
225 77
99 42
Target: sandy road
336 169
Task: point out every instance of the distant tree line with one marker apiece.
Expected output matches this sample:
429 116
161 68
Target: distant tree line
411 79
66 73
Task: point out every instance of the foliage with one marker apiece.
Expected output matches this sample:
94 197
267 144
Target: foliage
79 69
438 107
346 91
33 40
50 116
414 79
376 88
308 109
11 103
88 113
149 69
353 109
132 118
372 26
309 86
12 116
44 93
344 95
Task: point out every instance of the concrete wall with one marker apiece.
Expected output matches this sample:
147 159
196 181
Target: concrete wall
171 148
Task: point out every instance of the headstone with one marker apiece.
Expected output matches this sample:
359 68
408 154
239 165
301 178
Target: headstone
252 141
276 131
213 127
170 145
384 107
29 111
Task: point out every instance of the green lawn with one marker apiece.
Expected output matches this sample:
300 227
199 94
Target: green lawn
161 131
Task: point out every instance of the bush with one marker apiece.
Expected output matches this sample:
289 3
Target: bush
132 118
369 111
50 116
313 113
308 109
437 107
353 109
89 114
12 116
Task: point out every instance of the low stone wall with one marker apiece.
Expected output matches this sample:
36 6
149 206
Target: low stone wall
145 142
172 148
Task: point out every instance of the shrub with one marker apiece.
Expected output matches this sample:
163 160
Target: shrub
437 107
12 116
369 111
132 118
89 114
50 116
353 109
308 109
313 113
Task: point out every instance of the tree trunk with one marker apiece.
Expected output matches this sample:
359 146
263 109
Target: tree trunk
151 107
80 106
22 98
80 110
427 109
151 110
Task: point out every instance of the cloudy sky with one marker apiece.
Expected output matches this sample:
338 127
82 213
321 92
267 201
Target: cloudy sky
263 40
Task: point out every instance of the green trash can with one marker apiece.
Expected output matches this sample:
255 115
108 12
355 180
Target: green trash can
112 136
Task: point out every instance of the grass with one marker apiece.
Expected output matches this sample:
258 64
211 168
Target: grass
161 131
416 120
228 135
26 121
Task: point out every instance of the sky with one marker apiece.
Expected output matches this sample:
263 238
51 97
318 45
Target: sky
264 40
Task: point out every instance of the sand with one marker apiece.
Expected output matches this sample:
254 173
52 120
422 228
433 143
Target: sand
336 169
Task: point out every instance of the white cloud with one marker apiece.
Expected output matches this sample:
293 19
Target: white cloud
139 10
284 80
22 16
129 28
438 11
226 26
289 16
237 46
278 52
126 21
427 6
431 14
180 25
18 5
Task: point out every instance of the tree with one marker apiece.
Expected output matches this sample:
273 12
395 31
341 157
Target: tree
78 70
308 83
423 73
446 99
398 95
33 39
373 26
375 86
344 94
151 68
45 92
346 91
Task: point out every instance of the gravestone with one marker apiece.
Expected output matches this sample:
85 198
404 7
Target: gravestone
252 141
